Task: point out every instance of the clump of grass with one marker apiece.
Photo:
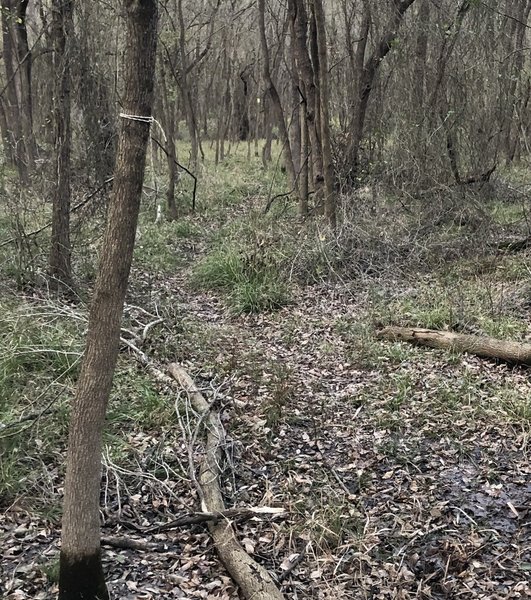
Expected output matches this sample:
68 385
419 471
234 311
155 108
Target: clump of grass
256 295
516 407
222 269
50 570
157 249
251 275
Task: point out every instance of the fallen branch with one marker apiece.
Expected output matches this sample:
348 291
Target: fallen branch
514 245
207 517
254 581
486 347
127 543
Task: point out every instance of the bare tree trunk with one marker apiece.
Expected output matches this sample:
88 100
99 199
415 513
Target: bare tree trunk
326 144
366 82
59 267
24 66
295 123
81 573
307 78
268 132
516 63
275 100
6 134
304 161
168 119
17 148
185 91
419 85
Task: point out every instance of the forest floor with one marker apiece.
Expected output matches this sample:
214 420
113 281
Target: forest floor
404 472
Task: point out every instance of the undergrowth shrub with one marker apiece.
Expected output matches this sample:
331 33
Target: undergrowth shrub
39 360
157 245
250 269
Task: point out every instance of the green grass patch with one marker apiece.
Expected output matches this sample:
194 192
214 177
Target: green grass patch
157 245
250 270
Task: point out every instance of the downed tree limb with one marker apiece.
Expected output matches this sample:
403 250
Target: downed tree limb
127 543
255 582
514 245
206 517
486 347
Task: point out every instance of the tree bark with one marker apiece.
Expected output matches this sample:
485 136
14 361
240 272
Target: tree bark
326 144
59 267
275 100
81 573
486 347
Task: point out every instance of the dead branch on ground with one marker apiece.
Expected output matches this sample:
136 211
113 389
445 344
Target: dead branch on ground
486 347
208 517
254 581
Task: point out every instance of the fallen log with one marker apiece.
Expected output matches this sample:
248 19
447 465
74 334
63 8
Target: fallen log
486 347
255 582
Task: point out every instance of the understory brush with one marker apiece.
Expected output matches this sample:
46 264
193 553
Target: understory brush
42 343
39 362
248 264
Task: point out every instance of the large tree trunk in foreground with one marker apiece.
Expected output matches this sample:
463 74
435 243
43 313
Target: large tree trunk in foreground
81 573
254 581
486 347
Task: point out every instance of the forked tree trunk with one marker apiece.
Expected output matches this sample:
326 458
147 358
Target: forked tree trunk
366 83
60 268
81 573
307 78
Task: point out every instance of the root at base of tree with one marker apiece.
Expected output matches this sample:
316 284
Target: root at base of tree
254 581
486 347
